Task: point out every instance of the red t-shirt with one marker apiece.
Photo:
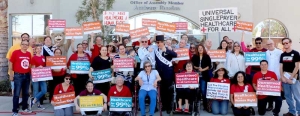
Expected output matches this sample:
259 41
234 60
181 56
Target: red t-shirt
38 61
87 93
259 76
59 89
21 61
95 51
125 92
237 88
219 80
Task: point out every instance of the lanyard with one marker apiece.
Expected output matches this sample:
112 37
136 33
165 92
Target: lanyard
148 78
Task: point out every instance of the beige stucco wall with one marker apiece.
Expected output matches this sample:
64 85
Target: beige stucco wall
250 10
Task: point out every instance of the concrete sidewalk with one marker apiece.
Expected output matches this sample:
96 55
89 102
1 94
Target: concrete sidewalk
6 107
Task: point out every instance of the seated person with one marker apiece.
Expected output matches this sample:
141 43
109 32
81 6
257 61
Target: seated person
185 93
118 91
90 91
64 87
148 79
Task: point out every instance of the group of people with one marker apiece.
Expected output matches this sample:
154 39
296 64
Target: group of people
152 64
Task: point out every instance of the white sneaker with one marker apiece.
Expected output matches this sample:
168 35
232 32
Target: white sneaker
27 111
40 107
15 114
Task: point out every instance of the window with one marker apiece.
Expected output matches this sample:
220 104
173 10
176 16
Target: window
194 32
33 24
270 29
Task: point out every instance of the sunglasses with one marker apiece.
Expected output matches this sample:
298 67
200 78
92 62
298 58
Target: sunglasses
285 43
236 46
25 44
67 78
249 45
257 42
144 41
84 43
146 66
192 47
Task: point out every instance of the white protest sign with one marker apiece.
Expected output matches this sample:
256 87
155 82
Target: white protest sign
115 17
218 90
218 20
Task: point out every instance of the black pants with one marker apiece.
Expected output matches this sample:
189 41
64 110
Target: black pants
262 104
166 94
53 83
80 82
241 111
103 87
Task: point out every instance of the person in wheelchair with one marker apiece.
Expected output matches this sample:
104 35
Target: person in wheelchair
119 90
185 94
90 91
148 79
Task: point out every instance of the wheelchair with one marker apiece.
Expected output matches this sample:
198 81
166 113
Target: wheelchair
194 105
136 107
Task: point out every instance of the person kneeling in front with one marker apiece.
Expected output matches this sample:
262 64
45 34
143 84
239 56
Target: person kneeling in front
148 79
90 91
119 90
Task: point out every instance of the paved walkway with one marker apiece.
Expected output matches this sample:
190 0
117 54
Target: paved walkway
6 106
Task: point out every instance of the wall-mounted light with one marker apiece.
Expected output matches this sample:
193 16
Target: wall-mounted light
239 15
31 1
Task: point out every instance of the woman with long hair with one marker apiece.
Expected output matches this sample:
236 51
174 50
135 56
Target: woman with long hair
223 45
101 62
235 60
202 64
148 79
239 84
220 76
64 87
80 55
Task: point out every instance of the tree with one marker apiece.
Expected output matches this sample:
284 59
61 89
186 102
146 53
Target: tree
276 29
94 9
3 39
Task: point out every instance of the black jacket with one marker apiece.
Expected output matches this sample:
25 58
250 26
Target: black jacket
206 61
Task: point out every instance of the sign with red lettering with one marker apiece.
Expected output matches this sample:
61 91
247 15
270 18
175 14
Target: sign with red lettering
114 17
136 34
91 27
64 100
41 74
217 55
182 54
57 24
187 80
217 90
181 26
268 87
123 64
242 99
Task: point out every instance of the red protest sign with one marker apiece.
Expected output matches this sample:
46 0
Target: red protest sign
244 26
268 87
165 27
182 54
56 24
181 25
186 80
56 62
136 34
242 99
149 22
41 74
123 64
217 55
64 100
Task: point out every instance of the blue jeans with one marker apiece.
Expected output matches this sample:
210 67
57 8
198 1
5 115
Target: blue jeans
142 96
291 90
21 81
219 107
202 86
43 85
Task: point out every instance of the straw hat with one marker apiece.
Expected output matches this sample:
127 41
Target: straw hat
220 66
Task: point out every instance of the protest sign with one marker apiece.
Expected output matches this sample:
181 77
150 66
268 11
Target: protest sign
150 23
80 67
73 32
182 54
136 34
253 58
268 87
91 103
112 18
242 99
112 55
120 104
41 74
91 27
244 26
217 55
218 90
102 76
122 29
218 20
56 62
186 80
123 64
64 100
165 28
181 26
57 24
